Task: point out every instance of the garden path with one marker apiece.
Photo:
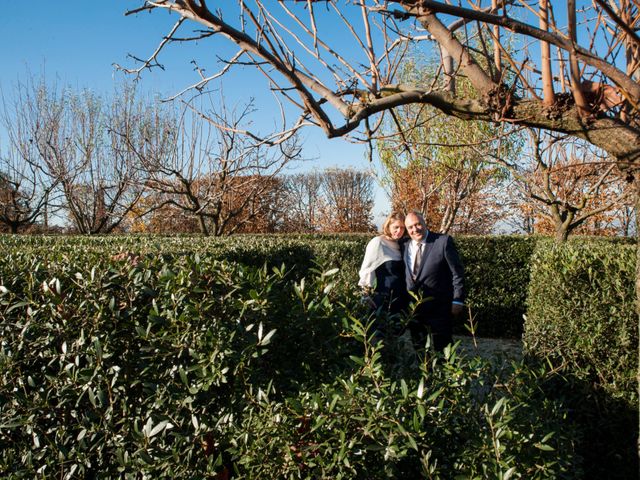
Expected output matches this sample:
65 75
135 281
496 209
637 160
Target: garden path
491 347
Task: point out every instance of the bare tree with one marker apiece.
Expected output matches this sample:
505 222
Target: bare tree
304 201
568 183
102 181
80 148
28 194
291 43
25 194
349 201
218 171
626 220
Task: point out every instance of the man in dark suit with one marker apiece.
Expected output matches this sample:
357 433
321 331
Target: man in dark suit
435 273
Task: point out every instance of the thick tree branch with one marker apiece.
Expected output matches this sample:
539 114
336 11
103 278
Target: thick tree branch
617 76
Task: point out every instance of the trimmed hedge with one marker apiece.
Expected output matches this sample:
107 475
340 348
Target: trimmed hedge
496 276
160 361
581 311
581 317
183 366
497 267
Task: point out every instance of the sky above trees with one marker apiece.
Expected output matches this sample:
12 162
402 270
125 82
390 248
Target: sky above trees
335 69
77 43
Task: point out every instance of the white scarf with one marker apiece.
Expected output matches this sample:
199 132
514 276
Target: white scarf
379 250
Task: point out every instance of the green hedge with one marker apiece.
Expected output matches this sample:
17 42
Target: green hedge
110 366
497 275
160 362
581 317
497 267
182 366
581 311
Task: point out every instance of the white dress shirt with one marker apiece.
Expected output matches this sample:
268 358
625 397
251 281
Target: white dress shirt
413 250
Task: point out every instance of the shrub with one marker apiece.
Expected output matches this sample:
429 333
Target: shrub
581 312
582 318
496 278
153 358
458 418
111 368
180 365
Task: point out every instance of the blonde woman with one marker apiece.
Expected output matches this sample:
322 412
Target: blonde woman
382 274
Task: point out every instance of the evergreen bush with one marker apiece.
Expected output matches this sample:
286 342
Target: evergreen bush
496 279
581 317
184 366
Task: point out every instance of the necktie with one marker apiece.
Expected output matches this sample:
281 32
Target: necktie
417 261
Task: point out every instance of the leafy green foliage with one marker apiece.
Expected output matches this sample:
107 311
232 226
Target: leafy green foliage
582 318
496 278
113 368
176 358
451 418
496 268
581 311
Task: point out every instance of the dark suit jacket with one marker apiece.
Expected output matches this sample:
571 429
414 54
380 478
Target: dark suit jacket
441 274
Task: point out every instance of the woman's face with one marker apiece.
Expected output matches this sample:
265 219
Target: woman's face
397 229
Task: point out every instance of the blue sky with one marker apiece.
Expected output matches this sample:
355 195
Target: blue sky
77 42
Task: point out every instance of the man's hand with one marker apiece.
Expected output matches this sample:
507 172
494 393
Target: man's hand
456 309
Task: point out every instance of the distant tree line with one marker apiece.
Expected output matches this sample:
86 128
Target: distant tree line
130 164
331 200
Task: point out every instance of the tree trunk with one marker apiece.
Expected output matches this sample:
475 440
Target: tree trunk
562 233
637 192
203 225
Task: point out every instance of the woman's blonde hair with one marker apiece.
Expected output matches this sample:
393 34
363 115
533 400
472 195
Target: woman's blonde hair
393 216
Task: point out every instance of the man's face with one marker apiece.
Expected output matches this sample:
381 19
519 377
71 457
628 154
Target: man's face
415 227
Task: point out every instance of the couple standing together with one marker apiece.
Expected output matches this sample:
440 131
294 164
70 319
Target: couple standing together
423 263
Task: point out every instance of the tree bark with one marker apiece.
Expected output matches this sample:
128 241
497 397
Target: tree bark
545 61
203 225
637 192
562 234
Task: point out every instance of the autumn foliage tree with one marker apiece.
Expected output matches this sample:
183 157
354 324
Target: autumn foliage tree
458 198
261 213
443 166
215 170
330 200
349 201
158 213
569 187
154 214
